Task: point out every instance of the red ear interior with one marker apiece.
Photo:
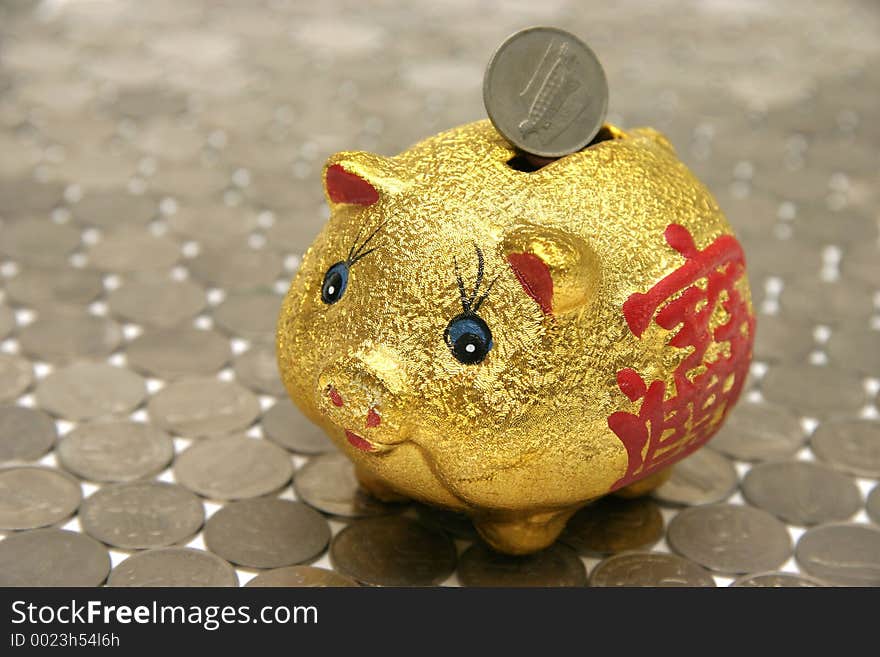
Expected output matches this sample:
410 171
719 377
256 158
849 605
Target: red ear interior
534 275
345 187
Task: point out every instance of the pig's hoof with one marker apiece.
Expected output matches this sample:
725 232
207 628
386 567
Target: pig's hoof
523 534
646 485
377 488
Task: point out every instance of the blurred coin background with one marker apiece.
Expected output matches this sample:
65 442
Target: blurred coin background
160 178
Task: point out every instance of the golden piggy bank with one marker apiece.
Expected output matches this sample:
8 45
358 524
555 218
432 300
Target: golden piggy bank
513 343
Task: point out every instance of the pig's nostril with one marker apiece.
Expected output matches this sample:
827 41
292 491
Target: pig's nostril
334 395
373 418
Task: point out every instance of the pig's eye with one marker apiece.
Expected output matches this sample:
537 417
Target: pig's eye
468 338
335 282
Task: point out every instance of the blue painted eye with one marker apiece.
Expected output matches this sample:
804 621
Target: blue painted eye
335 282
468 337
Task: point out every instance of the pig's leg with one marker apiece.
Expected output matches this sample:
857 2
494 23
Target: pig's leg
522 534
646 485
376 487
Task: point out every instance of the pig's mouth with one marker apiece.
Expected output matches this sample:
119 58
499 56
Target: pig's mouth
365 445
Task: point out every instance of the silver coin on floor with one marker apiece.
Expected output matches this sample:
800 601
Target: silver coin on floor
649 569
851 446
202 406
285 425
267 533
801 493
84 390
173 566
115 451
52 557
613 524
704 477
728 538
393 551
328 483
25 433
557 565
844 554
32 497
233 467
777 580
140 515
300 576
16 376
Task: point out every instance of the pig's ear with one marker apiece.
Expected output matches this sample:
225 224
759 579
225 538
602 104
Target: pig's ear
358 178
558 270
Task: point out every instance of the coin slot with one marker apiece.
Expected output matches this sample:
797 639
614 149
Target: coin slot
528 163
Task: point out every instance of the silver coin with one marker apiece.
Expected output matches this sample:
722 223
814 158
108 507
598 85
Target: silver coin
236 269
115 451
393 551
851 446
300 576
83 391
25 433
557 565
173 566
21 196
149 102
829 303
52 557
704 477
267 532
257 368
545 92
285 425
109 208
730 539
777 580
801 493
233 467
202 406
760 432
63 339
650 569
143 514
32 497
49 287
872 504
216 225
249 316
845 554
38 241
171 353
814 391
779 339
132 250
7 321
855 349
328 483
159 303
16 376
453 523
613 524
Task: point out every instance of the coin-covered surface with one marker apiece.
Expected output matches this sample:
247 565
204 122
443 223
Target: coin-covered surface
546 92
158 167
613 525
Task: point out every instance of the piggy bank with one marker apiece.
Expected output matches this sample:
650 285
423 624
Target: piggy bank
514 343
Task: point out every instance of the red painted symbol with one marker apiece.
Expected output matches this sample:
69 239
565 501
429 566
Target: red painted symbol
666 430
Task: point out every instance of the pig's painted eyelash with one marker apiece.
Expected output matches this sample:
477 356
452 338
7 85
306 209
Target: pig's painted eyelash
356 252
471 303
